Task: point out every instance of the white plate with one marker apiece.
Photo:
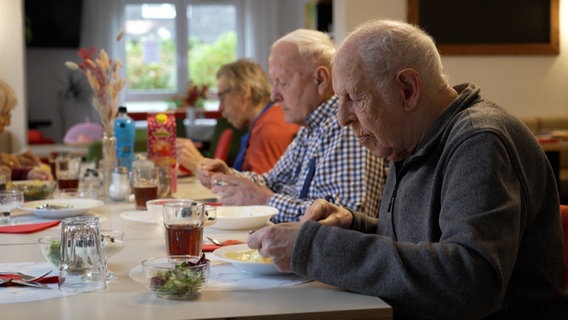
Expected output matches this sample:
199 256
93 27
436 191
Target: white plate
243 217
226 253
78 207
226 277
138 216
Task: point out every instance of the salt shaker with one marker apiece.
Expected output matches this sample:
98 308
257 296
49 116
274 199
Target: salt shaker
119 188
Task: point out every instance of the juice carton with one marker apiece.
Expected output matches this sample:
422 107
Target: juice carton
162 142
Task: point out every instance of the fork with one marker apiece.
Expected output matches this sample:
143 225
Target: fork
27 277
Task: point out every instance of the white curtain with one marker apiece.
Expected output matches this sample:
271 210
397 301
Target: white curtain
259 25
101 22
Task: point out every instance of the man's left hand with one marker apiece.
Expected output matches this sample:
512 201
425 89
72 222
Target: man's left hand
240 191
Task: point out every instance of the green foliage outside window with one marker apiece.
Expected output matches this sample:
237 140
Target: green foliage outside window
150 76
204 61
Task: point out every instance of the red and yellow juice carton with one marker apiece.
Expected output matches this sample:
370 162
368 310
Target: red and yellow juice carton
162 142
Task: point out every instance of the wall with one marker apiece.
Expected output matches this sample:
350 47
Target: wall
46 73
12 66
525 85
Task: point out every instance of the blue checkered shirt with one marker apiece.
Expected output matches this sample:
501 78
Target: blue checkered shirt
346 174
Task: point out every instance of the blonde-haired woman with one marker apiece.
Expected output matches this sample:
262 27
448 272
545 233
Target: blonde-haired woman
24 166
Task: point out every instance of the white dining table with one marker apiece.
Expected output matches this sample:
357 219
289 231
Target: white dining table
128 299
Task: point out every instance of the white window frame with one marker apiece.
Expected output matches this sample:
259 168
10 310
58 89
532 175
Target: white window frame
181 31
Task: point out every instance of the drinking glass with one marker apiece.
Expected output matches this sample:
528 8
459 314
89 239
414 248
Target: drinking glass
145 183
67 172
112 242
75 193
9 200
82 266
210 215
3 181
184 221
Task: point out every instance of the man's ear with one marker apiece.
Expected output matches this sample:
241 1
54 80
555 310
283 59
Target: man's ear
409 83
322 78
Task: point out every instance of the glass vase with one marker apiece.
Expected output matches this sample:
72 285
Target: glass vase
109 159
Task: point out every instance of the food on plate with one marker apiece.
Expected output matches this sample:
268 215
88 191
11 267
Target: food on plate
251 255
33 189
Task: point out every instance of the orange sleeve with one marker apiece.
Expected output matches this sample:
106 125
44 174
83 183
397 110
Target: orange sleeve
269 138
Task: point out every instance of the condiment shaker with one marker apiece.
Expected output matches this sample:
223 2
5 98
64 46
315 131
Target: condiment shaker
119 188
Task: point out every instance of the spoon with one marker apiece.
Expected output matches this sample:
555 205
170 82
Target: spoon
215 241
47 206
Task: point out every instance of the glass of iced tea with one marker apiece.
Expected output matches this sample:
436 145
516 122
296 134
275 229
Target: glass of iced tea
184 221
145 183
67 172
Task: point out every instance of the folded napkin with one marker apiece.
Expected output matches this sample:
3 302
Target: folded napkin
208 247
29 227
47 279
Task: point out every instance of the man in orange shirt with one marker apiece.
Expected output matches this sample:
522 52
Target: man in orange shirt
244 99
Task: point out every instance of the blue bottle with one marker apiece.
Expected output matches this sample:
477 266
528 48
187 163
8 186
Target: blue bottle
125 132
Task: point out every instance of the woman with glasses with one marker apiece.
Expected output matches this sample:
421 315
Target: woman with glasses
244 100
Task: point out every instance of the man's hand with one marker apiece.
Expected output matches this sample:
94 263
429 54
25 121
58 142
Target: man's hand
276 242
206 168
239 191
328 214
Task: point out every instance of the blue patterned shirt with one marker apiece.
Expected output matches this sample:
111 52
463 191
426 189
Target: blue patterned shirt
346 173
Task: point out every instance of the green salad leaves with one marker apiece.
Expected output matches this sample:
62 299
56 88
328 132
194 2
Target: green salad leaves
183 281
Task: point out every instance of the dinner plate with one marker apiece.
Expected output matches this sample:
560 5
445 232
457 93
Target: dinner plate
243 217
238 255
139 216
226 277
77 207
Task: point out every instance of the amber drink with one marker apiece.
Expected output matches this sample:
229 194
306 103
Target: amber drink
67 172
184 239
145 183
144 193
64 184
184 221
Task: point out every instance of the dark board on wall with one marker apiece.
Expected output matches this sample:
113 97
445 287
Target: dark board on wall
53 23
489 26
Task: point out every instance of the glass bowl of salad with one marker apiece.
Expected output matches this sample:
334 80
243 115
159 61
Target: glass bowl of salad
176 277
50 248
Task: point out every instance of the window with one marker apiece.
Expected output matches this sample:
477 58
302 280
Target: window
169 45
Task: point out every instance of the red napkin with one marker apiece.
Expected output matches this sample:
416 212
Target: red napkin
28 228
548 140
208 247
49 279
